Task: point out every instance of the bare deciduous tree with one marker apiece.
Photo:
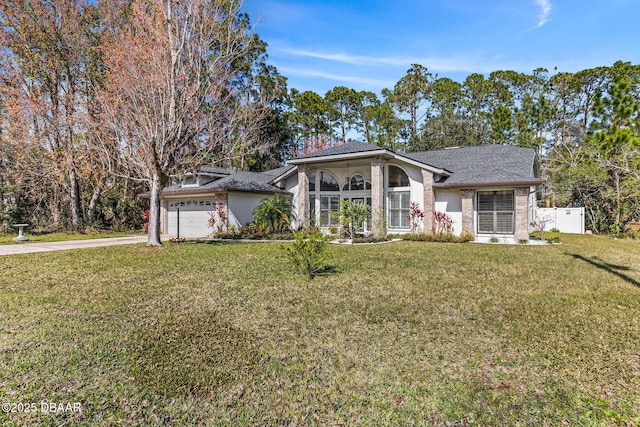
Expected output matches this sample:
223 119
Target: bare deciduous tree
171 97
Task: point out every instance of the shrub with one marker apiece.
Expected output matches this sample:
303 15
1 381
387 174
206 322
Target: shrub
352 215
227 235
616 229
465 236
443 223
370 240
250 231
218 217
416 216
145 217
273 215
554 230
439 237
309 252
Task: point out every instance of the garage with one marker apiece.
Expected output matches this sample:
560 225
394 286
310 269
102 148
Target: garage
193 215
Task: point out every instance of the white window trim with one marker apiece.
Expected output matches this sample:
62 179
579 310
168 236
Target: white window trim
390 190
315 204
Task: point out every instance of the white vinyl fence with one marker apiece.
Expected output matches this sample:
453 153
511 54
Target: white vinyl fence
567 220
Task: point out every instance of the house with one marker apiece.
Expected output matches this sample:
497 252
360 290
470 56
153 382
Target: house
229 195
488 191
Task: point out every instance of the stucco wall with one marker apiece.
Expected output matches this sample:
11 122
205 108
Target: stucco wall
241 207
449 201
291 185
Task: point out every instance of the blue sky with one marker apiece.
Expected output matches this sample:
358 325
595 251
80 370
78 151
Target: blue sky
370 44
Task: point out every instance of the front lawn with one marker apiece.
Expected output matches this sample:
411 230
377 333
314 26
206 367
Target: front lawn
409 333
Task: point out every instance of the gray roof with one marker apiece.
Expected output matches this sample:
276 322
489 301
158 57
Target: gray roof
235 180
245 181
216 170
274 173
347 148
483 164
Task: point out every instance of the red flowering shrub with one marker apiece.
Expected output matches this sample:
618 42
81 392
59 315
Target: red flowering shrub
443 223
416 216
218 216
145 216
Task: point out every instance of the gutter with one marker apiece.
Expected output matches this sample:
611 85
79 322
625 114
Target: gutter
492 184
365 154
177 194
146 195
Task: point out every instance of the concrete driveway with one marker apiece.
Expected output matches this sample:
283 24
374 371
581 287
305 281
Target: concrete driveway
27 248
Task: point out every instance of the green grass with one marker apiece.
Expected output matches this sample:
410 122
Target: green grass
409 333
7 238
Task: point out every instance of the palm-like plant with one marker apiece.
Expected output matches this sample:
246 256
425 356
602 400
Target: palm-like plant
273 215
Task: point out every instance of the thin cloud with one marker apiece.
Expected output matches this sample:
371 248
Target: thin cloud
455 63
364 81
545 6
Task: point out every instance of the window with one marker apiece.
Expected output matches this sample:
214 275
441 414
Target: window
495 212
189 181
328 182
398 177
356 183
312 182
329 205
312 206
399 209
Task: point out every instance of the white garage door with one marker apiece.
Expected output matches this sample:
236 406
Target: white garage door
194 216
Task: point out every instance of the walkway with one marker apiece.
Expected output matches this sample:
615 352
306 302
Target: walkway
27 248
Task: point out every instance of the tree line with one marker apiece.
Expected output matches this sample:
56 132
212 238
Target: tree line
100 101
585 127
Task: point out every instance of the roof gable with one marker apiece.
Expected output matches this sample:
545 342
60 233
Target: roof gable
477 165
351 147
234 180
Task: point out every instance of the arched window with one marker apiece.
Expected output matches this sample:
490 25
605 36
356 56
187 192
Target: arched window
312 181
329 203
399 198
328 182
397 177
356 183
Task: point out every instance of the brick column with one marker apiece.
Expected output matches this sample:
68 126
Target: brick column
467 197
429 200
521 231
378 228
302 208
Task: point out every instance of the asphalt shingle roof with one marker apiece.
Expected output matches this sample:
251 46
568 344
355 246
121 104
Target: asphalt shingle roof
216 169
348 148
274 173
235 180
245 181
481 164
484 164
